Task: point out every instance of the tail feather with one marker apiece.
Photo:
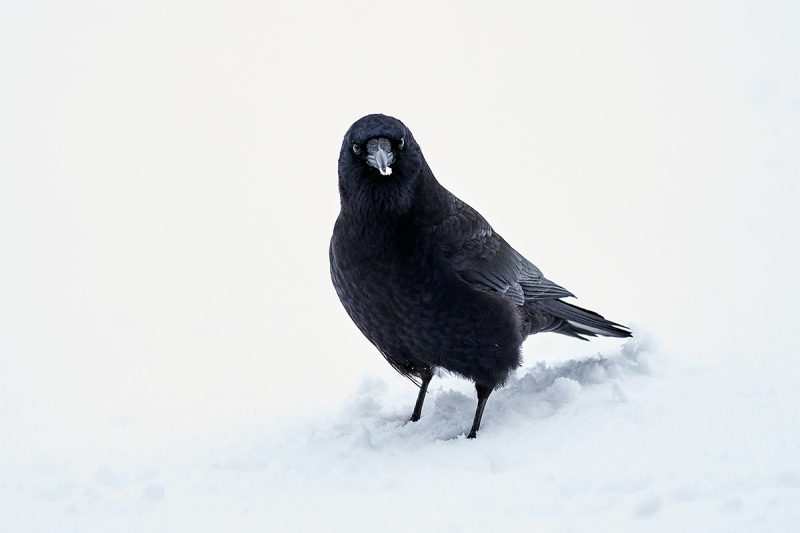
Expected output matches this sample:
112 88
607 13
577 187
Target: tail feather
577 321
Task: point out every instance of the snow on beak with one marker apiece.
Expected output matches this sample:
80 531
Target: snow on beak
380 155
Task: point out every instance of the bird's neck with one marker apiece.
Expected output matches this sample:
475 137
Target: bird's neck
386 208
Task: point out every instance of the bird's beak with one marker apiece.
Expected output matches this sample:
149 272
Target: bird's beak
381 161
380 155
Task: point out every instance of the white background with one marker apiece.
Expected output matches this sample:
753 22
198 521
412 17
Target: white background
168 189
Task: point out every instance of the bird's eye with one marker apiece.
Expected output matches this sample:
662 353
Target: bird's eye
356 149
402 143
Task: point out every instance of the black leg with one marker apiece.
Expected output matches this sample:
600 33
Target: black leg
423 390
483 395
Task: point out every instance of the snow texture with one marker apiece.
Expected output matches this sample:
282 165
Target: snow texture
622 441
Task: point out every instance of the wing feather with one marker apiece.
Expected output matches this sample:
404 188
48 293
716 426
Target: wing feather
483 258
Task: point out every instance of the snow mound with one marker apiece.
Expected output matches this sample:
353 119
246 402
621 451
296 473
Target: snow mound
620 441
537 393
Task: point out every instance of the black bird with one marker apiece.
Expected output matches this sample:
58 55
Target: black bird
424 276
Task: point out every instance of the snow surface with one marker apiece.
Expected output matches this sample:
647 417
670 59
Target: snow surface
619 441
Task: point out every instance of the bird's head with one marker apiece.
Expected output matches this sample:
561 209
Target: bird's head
379 164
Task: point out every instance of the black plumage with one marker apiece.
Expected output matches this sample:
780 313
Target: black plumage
424 276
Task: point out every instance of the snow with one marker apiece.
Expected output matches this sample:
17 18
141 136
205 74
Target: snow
174 358
624 441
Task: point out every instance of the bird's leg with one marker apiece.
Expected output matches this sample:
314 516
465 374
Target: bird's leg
426 376
483 395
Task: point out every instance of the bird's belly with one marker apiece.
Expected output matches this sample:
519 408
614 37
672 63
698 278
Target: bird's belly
431 317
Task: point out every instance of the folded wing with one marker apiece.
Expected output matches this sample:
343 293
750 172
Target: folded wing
483 258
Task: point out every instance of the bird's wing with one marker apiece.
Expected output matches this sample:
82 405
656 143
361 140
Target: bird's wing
483 258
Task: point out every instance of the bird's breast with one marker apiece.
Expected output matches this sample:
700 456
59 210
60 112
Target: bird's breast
406 299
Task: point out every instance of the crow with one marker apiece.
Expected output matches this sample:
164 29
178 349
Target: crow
427 280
